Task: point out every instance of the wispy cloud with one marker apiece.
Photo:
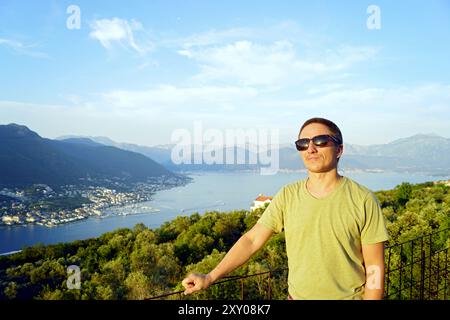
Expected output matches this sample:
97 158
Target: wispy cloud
119 31
278 63
22 49
279 55
214 37
285 30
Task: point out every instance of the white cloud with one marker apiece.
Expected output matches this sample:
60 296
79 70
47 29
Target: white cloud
21 48
213 37
244 61
276 55
277 63
285 30
119 31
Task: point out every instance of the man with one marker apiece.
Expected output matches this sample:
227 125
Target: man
334 228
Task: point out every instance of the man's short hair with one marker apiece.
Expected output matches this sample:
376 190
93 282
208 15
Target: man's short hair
336 132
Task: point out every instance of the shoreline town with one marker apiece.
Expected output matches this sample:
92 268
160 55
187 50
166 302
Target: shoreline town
42 205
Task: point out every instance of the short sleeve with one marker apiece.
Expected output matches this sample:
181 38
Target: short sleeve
374 228
273 216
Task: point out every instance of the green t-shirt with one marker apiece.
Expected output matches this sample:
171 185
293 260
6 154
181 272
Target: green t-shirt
324 237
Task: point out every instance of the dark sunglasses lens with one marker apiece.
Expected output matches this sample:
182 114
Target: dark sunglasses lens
321 141
302 144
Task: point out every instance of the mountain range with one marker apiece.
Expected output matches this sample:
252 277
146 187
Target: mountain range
424 153
26 158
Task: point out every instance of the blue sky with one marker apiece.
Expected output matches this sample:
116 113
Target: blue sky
136 71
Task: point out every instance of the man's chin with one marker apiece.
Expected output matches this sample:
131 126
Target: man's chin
318 169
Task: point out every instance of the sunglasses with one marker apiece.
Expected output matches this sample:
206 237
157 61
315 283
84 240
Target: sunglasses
319 141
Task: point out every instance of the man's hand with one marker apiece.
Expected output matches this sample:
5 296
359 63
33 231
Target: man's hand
195 282
241 251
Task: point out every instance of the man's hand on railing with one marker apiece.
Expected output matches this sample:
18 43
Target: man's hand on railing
195 282
240 253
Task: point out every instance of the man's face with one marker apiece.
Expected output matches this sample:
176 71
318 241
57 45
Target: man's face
319 159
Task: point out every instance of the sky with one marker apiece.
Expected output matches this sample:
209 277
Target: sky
138 71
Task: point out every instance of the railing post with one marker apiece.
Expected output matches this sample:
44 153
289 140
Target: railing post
401 271
388 274
437 277
430 277
412 269
422 275
446 274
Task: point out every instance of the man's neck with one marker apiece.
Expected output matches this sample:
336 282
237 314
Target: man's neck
320 184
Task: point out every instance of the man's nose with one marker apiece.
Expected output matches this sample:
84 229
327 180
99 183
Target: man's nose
311 148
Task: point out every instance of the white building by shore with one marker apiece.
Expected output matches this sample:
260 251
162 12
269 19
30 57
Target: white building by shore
260 202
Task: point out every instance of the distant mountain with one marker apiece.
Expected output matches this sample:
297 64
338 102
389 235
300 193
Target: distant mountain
160 154
163 155
26 158
84 141
427 153
421 152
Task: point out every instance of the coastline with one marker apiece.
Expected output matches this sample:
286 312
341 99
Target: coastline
103 208
128 205
10 253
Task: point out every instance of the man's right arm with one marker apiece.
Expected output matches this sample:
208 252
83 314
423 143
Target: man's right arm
240 253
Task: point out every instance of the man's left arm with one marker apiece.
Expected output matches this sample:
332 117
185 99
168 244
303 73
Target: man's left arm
373 255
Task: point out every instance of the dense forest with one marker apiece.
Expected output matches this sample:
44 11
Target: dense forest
139 263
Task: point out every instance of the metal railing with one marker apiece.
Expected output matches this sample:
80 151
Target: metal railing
266 276
417 269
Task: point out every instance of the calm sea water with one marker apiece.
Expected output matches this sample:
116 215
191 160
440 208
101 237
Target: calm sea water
207 192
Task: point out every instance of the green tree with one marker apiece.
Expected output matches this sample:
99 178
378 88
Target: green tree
11 290
138 286
144 258
105 293
228 228
113 274
403 193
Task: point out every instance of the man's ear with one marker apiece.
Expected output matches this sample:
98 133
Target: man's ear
341 151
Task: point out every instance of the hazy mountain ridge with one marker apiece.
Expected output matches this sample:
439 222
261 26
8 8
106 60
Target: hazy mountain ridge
428 153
